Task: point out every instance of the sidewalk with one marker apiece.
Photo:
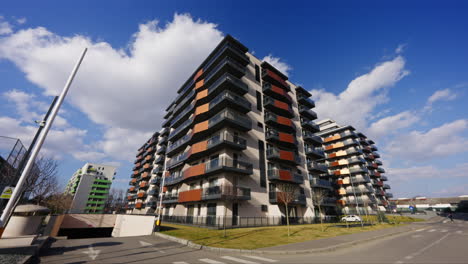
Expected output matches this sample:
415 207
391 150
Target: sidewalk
311 246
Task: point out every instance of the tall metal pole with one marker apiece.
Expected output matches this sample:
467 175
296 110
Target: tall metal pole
158 221
354 192
8 209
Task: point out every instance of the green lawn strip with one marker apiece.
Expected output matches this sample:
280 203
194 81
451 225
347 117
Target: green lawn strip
253 238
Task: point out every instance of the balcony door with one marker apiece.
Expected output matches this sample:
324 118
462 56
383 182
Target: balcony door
211 214
190 211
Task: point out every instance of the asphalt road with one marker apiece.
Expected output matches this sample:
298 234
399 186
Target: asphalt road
442 242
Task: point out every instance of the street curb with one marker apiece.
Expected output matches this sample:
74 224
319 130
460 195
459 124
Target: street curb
277 252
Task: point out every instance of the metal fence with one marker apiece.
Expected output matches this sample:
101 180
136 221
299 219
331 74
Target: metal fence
241 221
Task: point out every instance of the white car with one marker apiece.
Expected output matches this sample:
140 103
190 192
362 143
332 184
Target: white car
351 218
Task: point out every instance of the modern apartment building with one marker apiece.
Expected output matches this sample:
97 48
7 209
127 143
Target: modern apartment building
354 168
236 136
90 188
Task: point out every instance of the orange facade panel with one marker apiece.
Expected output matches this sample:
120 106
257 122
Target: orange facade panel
332 155
138 205
143 184
200 127
190 196
199 147
285 175
328 139
202 109
286 155
148 157
199 73
135 172
339 182
199 84
141 194
341 202
286 137
278 90
333 164
284 121
147 165
131 189
281 105
201 94
193 171
133 180
276 77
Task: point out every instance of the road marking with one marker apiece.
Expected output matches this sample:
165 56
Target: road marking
162 251
429 246
432 230
419 230
92 253
445 221
416 236
211 261
444 230
459 232
262 259
238 260
179 262
145 244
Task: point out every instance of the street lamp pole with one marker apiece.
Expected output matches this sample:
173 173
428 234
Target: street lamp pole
35 151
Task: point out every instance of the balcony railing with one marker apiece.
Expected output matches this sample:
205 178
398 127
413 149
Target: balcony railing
280 122
226 82
283 155
219 141
383 178
234 118
381 170
275 197
228 98
315 166
226 192
278 107
178 144
169 198
310 125
303 99
319 183
272 77
177 160
285 175
182 117
181 128
282 138
355 180
311 138
359 190
386 186
156 180
276 92
389 195
306 112
358 170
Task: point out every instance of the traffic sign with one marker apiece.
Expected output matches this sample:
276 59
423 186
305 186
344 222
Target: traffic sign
7 191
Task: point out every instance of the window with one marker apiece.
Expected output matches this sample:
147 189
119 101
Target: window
261 150
199 209
260 125
259 101
257 73
264 208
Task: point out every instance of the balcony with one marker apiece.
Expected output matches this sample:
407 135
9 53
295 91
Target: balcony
215 143
222 101
183 104
310 126
139 205
361 201
285 175
307 113
383 178
358 190
314 152
182 117
227 82
353 150
389 195
226 192
227 117
278 107
276 92
329 201
342 144
131 189
369 157
159 160
226 51
177 160
381 170
373 148
284 139
275 197
227 65
164 132
355 160
305 100
153 192
141 195
355 180
158 169
316 167
170 198
145 176
358 169
312 139
275 78
279 122
376 154
181 130
386 186
156 180
284 156
318 183
144 185
161 150
131 197
133 181
178 145
378 162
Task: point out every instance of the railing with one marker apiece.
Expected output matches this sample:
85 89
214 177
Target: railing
179 142
314 182
170 198
181 127
310 124
226 192
231 78
233 97
303 110
313 165
275 174
177 160
275 134
273 152
182 115
297 199
239 67
231 115
309 135
182 103
358 169
356 160
229 163
359 179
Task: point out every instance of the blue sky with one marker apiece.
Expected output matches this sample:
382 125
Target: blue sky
396 71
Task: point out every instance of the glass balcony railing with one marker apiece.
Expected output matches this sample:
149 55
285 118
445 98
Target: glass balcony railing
276 197
178 144
228 164
315 166
310 125
278 107
317 152
228 98
240 120
311 138
384 178
386 186
178 120
314 182
227 82
283 155
181 128
285 175
183 103
305 111
281 137
303 99
355 180
170 198
226 192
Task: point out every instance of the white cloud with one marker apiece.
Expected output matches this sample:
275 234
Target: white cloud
426 172
5 27
440 141
21 20
278 64
400 48
440 95
392 123
126 91
355 104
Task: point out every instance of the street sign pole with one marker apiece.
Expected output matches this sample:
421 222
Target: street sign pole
16 193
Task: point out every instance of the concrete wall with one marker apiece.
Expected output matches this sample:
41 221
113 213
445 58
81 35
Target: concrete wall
133 225
88 220
22 226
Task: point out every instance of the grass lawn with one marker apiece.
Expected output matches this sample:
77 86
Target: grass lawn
259 237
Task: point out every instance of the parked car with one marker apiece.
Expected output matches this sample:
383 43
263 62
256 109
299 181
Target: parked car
351 218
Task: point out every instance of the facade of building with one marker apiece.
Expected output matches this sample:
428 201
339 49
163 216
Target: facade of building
430 204
90 187
354 168
237 136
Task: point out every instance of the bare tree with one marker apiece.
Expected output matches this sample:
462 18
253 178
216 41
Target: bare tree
58 203
115 201
42 181
286 195
230 195
318 196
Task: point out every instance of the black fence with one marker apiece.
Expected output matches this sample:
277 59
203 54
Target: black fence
241 221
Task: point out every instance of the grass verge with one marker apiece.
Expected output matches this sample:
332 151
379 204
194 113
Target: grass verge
259 237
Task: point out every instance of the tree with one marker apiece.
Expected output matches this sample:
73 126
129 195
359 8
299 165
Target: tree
230 194
58 203
42 180
115 201
287 194
317 198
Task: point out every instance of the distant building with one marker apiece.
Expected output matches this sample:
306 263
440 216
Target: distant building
90 187
424 203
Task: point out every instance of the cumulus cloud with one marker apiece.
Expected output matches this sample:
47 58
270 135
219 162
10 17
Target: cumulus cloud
440 141
426 172
5 27
278 64
440 95
123 90
392 123
21 20
357 102
400 48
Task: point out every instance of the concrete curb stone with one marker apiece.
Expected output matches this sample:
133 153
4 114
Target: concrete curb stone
279 252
